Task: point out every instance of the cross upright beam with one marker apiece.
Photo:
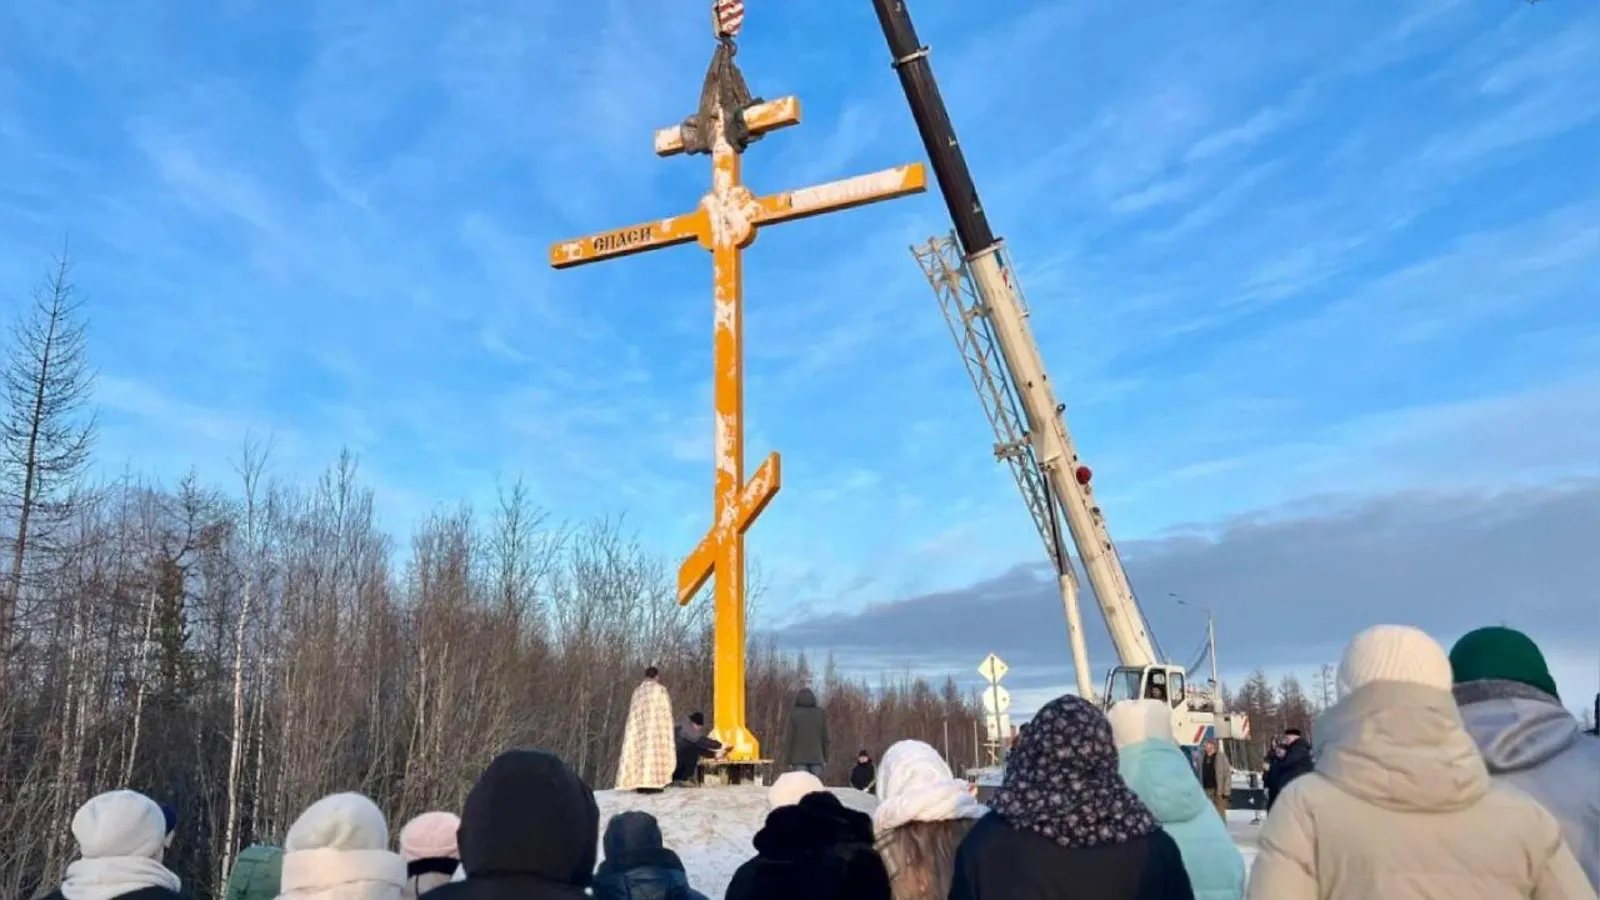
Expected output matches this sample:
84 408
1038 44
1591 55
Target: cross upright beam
725 223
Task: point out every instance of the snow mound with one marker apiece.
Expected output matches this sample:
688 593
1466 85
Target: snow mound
711 827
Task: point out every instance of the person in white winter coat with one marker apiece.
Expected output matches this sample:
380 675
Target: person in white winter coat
339 850
923 813
1400 805
121 836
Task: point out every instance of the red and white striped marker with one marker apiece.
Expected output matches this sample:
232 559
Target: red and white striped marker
729 16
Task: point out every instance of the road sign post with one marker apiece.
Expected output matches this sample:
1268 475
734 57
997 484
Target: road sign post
996 705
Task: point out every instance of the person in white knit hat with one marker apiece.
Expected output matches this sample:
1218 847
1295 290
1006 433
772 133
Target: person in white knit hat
1401 806
923 813
121 836
1151 763
339 850
790 787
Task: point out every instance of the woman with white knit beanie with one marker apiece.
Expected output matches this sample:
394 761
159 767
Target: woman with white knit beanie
1400 806
121 836
428 845
923 813
339 850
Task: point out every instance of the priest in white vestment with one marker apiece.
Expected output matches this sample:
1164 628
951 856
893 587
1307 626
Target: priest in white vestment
648 751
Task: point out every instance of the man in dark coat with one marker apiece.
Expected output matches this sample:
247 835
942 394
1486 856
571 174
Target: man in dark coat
529 830
864 777
638 865
692 746
805 743
1292 759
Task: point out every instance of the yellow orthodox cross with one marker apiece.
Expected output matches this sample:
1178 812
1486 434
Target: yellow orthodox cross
725 224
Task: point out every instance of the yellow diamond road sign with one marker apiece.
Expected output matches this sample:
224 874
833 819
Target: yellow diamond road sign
993 668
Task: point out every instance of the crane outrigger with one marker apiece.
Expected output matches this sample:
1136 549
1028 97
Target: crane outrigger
976 285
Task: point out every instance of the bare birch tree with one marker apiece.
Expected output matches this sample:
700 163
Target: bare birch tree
238 653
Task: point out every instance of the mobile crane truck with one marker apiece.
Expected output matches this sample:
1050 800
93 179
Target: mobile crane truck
977 289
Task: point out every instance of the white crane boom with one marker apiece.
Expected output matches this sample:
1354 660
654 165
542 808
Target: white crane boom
997 316
988 316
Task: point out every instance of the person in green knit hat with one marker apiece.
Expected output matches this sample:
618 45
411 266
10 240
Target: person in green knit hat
1513 711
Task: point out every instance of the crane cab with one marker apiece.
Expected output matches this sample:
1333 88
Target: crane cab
1157 682
1168 684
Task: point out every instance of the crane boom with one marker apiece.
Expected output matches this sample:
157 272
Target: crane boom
946 271
1001 304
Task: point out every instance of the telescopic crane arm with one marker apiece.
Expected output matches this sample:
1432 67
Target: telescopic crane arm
1006 314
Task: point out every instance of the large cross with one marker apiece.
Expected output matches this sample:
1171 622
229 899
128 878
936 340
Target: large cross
725 224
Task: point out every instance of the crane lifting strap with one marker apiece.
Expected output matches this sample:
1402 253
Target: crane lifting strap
724 91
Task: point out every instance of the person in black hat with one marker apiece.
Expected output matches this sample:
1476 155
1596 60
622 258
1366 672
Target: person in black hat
692 745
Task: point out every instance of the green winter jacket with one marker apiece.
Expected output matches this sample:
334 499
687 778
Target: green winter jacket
256 873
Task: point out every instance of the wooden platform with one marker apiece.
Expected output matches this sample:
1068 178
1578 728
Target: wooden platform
726 771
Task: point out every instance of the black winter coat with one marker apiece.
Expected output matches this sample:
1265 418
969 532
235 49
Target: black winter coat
691 747
998 862
815 850
637 866
805 742
1296 761
864 777
529 831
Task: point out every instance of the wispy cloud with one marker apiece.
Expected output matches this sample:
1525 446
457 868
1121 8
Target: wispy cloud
1255 242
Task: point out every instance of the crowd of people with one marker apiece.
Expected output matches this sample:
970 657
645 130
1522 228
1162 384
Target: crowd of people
1435 776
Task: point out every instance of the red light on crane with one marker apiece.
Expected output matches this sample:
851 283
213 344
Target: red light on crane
1083 475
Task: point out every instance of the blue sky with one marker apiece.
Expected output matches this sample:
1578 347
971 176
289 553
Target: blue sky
1272 253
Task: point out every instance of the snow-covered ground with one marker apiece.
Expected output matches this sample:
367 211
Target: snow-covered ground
1245 834
711 828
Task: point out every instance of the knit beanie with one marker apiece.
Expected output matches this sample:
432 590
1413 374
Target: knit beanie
1134 721
1398 653
1501 654
339 847
120 824
339 822
431 835
791 786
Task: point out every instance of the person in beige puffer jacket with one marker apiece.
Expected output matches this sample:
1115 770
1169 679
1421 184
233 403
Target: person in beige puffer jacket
1401 806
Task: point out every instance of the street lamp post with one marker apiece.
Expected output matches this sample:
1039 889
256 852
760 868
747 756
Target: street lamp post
1211 646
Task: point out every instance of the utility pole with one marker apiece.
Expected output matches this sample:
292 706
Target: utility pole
1211 646
1211 641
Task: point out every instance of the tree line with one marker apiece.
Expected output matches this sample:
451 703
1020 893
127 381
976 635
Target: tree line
1274 708
239 650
